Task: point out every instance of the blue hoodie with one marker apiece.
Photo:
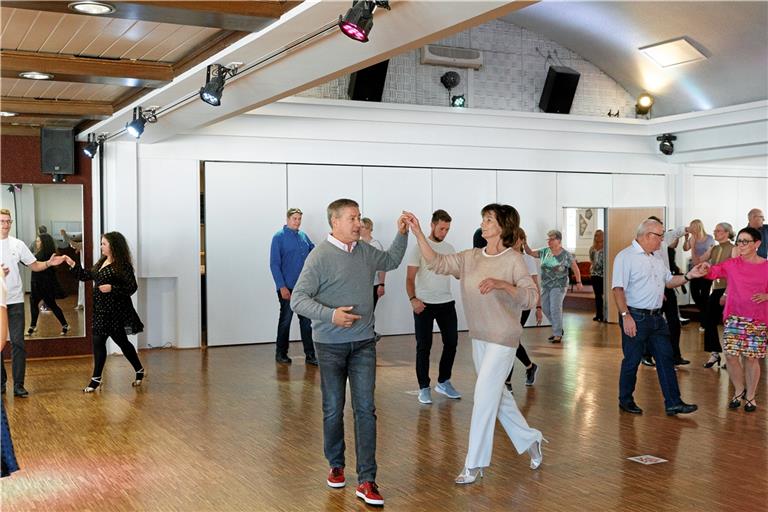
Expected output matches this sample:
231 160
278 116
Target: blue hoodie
286 257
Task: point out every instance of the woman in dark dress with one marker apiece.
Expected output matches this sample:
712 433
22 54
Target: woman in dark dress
44 285
113 315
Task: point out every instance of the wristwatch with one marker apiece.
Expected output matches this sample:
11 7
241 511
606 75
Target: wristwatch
624 314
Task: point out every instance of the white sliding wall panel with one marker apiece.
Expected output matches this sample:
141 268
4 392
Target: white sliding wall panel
245 205
387 192
752 193
462 193
583 190
709 205
313 187
639 190
534 195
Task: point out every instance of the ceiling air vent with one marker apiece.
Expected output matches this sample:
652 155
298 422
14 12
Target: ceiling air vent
453 57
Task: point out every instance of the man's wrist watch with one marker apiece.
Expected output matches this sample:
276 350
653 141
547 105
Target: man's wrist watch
685 276
624 314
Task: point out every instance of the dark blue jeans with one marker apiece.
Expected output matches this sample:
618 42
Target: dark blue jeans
18 351
652 331
284 329
355 361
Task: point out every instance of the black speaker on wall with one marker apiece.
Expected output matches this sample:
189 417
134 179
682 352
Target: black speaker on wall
368 83
57 150
559 90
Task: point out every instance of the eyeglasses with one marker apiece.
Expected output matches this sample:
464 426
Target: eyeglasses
743 241
4 221
660 235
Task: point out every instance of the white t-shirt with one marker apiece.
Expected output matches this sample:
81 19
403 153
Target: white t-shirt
530 262
12 252
431 288
375 243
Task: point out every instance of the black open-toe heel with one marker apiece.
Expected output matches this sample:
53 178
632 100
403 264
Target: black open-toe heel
93 385
735 402
714 359
139 377
750 405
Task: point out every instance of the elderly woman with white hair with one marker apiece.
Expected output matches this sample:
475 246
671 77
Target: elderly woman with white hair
713 315
555 262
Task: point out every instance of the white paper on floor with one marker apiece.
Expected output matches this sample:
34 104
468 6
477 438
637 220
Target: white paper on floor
647 459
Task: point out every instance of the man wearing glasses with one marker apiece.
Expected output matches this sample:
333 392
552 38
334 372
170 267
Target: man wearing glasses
639 281
757 220
12 252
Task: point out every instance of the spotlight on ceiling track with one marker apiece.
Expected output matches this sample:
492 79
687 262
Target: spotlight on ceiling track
92 147
215 76
458 101
666 145
140 118
644 104
358 21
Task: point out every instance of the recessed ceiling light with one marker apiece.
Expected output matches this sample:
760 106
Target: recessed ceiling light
8 114
673 53
35 75
91 7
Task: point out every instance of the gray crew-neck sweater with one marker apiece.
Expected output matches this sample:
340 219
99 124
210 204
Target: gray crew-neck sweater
332 278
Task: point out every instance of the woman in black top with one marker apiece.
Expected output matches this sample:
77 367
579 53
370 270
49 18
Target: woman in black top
113 315
44 285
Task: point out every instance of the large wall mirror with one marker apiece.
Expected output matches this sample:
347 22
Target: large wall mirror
44 215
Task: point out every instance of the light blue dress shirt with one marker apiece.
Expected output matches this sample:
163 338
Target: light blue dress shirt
642 275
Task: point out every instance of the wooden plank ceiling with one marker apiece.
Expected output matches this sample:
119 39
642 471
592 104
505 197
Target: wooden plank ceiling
101 63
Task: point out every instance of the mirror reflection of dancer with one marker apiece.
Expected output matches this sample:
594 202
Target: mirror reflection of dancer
495 288
44 286
113 314
9 464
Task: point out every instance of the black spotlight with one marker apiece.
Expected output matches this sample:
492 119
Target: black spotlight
665 143
215 76
140 118
92 147
358 21
644 104
458 101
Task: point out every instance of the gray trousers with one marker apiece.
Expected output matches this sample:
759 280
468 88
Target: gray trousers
18 352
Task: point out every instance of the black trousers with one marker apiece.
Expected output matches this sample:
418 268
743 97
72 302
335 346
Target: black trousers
672 316
100 351
521 354
700 294
712 318
597 286
50 301
445 315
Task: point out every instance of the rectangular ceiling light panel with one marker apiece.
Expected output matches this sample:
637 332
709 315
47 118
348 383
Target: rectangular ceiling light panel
673 53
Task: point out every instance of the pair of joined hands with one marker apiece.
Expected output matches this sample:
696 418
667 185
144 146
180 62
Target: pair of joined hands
63 258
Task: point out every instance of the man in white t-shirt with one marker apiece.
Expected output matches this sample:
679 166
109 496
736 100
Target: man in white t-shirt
12 252
431 300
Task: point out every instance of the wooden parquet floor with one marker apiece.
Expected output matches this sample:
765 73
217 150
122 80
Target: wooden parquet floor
228 430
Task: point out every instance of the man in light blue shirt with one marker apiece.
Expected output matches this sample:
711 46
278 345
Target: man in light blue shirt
639 280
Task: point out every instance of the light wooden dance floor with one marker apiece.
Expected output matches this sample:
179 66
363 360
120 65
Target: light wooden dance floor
227 430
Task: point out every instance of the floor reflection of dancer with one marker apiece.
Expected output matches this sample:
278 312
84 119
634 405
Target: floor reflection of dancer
113 314
495 287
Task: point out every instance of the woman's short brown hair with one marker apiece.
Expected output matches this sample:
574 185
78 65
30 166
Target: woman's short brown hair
509 220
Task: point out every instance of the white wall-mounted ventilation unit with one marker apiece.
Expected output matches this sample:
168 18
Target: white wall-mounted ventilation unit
453 57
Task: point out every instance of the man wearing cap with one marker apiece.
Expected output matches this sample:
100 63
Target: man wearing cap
290 247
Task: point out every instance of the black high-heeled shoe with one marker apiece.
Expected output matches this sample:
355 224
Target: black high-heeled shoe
714 359
750 405
93 385
139 377
735 402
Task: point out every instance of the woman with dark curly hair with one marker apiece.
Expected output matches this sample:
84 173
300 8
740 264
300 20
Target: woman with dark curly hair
113 315
495 288
44 285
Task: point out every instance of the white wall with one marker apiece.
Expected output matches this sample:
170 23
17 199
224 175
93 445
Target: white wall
390 158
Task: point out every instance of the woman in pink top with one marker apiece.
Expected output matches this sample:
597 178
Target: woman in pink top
495 288
745 315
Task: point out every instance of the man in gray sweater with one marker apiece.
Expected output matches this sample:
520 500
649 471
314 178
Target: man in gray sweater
334 290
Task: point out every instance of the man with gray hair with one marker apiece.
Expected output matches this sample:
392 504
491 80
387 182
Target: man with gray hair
639 280
756 219
334 290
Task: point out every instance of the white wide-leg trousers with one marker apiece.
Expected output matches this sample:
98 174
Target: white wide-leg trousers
492 399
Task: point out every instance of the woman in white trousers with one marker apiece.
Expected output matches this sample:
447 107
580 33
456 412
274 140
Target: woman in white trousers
495 288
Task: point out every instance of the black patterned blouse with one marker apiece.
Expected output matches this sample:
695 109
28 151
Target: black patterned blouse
113 311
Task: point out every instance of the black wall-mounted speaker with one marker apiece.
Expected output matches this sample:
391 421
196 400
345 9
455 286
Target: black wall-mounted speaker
559 90
57 151
368 83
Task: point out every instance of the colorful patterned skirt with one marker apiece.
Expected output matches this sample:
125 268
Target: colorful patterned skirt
744 337
9 464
